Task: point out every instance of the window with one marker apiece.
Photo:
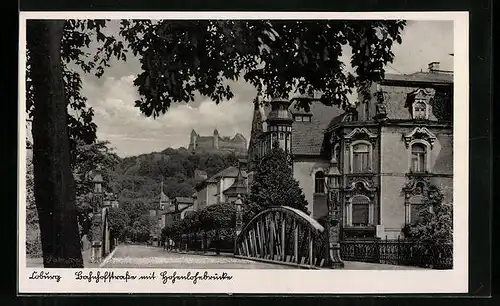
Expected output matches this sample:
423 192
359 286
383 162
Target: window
416 204
360 211
298 118
319 182
418 158
306 119
419 110
282 136
336 153
360 158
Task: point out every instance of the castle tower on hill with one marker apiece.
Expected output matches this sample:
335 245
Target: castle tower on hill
216 142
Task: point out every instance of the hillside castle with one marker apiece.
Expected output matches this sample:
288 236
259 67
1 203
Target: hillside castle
237 144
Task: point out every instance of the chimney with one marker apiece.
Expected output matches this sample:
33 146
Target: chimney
434 66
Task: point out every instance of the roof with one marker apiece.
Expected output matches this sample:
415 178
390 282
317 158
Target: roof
339 119
184 200
238 187
420 77
307 137
163 197
228 172
171 212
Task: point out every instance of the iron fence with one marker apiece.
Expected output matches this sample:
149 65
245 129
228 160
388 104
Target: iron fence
218 240
434 255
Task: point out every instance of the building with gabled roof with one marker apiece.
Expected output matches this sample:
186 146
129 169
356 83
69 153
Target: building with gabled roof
211 190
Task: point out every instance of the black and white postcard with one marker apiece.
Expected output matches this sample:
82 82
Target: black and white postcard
243 153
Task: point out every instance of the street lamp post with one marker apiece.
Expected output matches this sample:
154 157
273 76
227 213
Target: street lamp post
96 253
333 222
239 220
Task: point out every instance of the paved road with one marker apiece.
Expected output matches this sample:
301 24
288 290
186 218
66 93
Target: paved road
141 256
137 256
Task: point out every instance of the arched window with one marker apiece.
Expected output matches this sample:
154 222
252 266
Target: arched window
419 110
418 158
360 158
360 211
336 153
319 182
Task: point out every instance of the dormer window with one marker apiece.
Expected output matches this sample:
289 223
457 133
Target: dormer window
420 110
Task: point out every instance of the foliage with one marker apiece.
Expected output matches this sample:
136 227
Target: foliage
89 157
277 57
218 216
274 184
84 206
76 39
137 179
118 223
250 209
141 228
436 223
213 217
33 243
442 106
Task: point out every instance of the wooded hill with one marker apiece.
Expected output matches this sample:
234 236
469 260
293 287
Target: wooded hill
137 179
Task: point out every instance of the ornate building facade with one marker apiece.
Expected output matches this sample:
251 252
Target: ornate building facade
237 144
381 155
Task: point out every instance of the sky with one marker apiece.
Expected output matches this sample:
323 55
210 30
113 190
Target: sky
112 97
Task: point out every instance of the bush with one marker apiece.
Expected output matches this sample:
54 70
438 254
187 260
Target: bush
436 223
33 242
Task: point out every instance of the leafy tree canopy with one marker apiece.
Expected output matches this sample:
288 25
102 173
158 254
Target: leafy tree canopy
274 184
76 38
436 222
119 221
89 157
181 57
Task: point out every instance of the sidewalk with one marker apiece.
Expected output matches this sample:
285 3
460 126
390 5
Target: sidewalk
38 261
357 265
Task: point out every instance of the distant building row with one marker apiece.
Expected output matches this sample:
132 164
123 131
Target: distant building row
222 187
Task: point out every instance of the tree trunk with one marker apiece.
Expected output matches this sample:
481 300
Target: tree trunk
54 185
